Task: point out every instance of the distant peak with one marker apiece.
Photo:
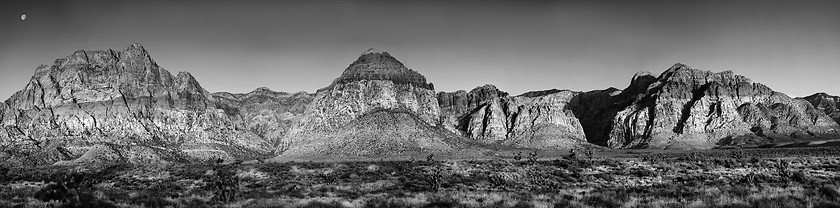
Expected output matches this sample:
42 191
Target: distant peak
820 94
136 51
185 75
643 73
135 47
372 51
263 89
486 87
680 66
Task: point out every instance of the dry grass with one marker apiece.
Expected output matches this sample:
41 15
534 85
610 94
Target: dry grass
685 180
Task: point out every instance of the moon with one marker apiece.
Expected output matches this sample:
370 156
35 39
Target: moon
23 17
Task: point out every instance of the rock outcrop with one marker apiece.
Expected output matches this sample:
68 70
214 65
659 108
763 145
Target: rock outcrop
119 103
691 108
106 105
829 104
375 106
541 120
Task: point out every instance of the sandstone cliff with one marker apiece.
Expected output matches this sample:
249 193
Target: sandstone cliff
107 105
541 120
118 103
376 108
829 104
691 108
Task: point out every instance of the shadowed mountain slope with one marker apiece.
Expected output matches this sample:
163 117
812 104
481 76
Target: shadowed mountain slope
691 108
829 104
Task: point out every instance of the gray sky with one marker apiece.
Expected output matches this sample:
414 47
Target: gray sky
236 46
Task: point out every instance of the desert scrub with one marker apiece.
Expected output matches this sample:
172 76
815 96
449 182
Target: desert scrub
224 184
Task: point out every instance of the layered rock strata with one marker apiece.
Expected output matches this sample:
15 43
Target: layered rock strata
691 108
377 105
541 120
122 104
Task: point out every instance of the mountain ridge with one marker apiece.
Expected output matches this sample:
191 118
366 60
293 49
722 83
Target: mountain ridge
107 105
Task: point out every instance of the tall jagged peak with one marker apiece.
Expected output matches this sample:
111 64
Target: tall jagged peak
375 64
487 91
186 81
136 51
135 48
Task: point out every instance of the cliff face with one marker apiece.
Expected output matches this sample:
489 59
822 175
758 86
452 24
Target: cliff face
541 120
118 103
375 82
690 108
829 104
96 106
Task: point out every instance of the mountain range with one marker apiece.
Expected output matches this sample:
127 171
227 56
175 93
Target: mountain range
107 105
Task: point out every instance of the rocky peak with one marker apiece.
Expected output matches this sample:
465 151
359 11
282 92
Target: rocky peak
692 108
123 103
135 50
537 119
186 82
681 81
373 51
262 89
376 83
100 75
374 64
486 92
687 75
135 56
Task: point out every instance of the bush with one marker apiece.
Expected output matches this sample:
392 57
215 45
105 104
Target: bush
223 183
62 189
434 178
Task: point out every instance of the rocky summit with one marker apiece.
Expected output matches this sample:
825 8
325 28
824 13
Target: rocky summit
107 105
120 105
376 108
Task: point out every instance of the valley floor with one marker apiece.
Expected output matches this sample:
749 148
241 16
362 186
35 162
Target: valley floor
792 177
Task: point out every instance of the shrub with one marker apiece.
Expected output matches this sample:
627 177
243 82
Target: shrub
434 178
532 157
62 189
223 183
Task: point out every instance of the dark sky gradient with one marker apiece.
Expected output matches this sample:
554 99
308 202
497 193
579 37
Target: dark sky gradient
236 46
